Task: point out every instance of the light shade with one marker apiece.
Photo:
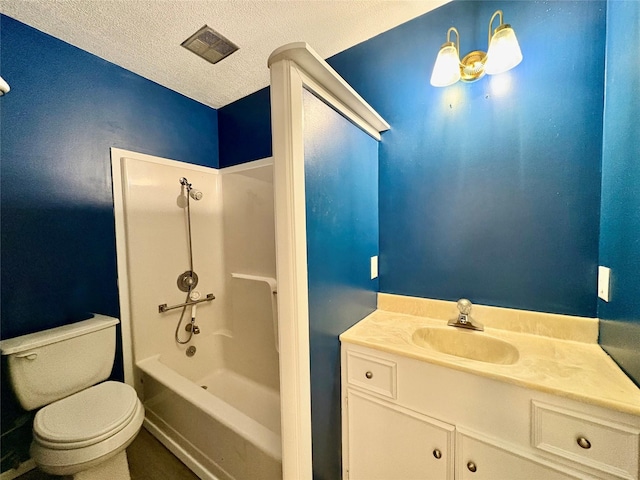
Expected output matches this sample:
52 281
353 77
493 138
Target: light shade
446 70
4 87
504 51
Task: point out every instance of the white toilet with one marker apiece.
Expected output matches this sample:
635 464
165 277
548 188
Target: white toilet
86 426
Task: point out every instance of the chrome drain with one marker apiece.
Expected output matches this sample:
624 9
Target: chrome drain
191 351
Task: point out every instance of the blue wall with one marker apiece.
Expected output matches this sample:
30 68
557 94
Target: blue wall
66 109
620 215
244 127
341 187
490 190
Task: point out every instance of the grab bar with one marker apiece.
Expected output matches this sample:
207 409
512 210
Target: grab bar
163 308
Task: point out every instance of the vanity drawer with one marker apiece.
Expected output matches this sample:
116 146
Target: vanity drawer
373 374
594 442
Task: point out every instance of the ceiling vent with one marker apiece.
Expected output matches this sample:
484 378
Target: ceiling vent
210 45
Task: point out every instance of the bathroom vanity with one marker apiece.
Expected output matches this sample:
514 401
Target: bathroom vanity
559 408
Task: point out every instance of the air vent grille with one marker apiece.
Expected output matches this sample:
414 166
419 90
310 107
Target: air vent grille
210 45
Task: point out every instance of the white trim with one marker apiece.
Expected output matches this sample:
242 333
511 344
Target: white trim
243 167
309 61
117 156
334 102
291 267
296 67
121 262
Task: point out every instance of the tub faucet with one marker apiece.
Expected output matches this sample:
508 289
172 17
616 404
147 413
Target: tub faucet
464 319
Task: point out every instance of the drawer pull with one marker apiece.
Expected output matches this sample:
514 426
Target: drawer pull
437 453
584 443
472 467
369 375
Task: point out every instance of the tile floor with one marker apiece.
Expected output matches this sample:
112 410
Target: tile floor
148 460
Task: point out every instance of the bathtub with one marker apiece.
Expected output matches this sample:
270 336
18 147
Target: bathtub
195 419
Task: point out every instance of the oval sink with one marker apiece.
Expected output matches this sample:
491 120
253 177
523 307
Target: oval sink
467 344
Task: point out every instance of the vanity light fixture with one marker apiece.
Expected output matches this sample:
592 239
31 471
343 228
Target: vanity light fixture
4 87
503 54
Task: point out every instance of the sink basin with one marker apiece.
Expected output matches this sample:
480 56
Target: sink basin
467 344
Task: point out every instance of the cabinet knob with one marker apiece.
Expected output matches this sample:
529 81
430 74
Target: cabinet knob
584 443
437 453
369 374
472 466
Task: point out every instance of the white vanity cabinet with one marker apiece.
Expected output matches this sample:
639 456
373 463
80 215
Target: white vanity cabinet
387 441
406 419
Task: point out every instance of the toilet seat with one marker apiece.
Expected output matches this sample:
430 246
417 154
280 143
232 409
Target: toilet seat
87 417
90 427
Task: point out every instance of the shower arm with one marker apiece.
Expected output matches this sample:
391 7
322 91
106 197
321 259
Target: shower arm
164 308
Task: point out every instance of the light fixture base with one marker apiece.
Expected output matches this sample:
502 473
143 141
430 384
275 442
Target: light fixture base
472 66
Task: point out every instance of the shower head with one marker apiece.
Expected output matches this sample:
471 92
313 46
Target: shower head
195 194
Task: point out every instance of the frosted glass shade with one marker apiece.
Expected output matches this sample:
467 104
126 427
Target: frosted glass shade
446 70
504 51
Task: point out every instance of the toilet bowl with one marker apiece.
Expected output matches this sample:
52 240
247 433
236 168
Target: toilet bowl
83 427
86 429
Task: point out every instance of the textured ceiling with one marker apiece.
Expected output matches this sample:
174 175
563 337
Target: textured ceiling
144 36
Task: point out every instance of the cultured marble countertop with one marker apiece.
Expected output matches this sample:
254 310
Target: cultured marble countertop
578 370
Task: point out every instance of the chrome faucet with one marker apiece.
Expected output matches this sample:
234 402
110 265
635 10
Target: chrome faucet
192 327
464 319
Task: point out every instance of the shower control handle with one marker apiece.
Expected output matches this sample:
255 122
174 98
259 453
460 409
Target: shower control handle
189 327
187 281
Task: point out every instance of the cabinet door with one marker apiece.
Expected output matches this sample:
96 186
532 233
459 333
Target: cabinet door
477 458
388 442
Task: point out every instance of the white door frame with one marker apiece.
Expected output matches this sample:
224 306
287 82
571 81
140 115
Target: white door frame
296 67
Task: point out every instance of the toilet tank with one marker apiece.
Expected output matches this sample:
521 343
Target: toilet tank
49 365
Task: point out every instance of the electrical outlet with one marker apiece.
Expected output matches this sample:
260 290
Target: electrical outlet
604 282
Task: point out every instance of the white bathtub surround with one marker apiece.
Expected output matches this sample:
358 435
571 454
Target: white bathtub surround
151 241
273 288
213 430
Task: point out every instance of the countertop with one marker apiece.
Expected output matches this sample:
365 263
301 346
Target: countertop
574 369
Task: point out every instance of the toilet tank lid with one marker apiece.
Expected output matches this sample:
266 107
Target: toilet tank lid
23 343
